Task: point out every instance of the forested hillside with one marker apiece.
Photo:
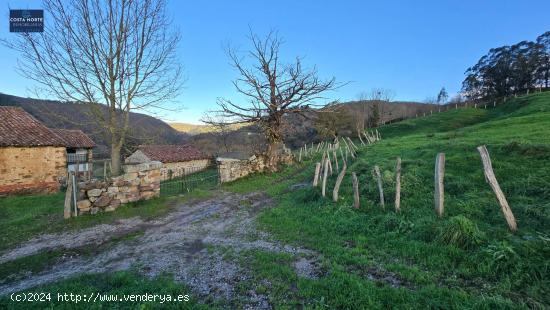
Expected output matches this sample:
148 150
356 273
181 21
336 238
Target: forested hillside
144 129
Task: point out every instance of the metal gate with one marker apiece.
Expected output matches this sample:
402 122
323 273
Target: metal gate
184 180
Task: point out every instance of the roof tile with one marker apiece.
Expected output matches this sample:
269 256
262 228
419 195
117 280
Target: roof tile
172 153
19 128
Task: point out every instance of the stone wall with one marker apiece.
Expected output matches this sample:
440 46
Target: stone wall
26 170
139 182
186 167
232 169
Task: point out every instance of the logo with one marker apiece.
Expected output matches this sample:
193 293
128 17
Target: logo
26 20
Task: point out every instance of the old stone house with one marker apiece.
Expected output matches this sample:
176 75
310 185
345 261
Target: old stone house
32 157
177 160
36 159
79 150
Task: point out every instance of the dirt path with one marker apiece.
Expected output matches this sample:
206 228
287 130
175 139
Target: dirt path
176 243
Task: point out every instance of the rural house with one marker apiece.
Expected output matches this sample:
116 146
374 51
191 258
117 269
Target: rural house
177 160
32 157
36 159
79 150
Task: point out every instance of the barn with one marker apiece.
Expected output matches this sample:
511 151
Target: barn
177 160
32 157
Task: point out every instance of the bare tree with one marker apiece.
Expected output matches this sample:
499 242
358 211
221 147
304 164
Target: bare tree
120 54
220 129
362 115
273 89
379 99
333 119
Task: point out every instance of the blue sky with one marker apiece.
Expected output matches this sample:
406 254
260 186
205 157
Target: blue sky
411 47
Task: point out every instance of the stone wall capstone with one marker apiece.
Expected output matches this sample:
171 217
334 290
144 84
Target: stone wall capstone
139 182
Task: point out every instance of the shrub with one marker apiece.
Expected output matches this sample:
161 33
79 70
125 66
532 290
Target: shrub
398 224
502 257
461 232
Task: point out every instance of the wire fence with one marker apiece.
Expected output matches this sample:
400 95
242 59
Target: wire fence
184 180
101 169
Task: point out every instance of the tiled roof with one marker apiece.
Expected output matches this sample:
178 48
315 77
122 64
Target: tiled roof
172 153
74 138
19 128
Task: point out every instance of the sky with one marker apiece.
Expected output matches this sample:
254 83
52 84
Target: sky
413 48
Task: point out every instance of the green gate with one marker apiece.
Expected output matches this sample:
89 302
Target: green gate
184 180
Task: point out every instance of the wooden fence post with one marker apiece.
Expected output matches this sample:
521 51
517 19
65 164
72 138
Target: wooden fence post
75 191
329 162
380 188
439 197
356 201
317 170
338 182
68 198
398 185
325 174
492 180
300 158
77 171
335 160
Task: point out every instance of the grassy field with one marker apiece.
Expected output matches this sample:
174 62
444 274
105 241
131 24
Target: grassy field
467 259
373 257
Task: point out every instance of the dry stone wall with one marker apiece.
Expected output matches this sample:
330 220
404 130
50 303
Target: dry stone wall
139 182
232 169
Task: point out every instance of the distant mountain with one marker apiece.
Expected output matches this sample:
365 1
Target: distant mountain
192 129
144 129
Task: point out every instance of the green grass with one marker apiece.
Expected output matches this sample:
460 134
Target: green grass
468 258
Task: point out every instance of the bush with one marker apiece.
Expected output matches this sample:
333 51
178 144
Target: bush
398 224
461 232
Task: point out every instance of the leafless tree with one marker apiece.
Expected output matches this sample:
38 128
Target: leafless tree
362 115
120 54
272 89
221 129
333 119
379 99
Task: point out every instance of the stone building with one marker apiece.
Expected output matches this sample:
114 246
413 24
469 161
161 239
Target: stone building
32 157
177 160
79 150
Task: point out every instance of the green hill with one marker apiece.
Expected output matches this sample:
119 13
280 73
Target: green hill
467 259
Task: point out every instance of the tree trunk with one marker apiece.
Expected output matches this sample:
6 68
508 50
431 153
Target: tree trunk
273 156
115 159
